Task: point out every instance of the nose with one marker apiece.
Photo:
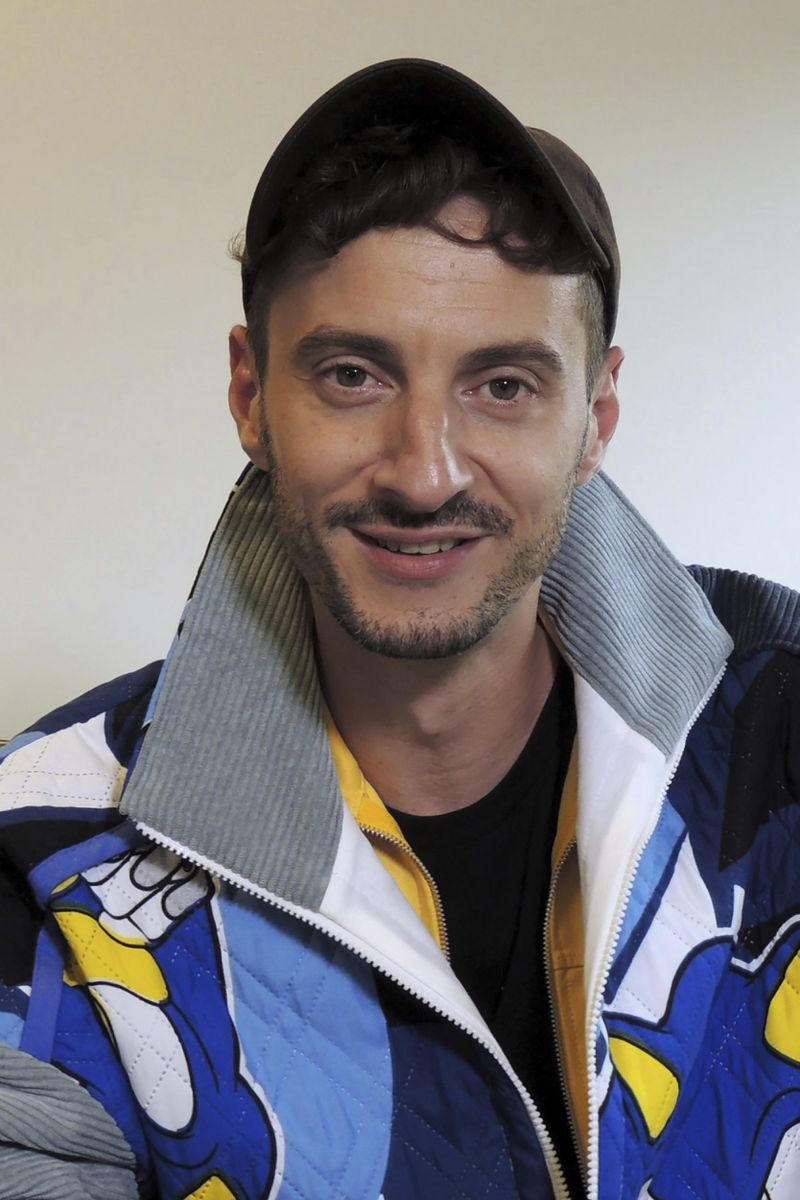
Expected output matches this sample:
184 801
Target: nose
422 464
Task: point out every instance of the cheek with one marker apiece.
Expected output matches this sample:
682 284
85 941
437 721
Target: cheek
316 469
322 454
531 475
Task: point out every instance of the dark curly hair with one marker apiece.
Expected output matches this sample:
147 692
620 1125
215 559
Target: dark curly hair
402 176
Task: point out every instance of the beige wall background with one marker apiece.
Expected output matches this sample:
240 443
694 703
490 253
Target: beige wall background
132 137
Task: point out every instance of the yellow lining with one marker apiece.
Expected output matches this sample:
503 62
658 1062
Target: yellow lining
565 933
565 948
372 815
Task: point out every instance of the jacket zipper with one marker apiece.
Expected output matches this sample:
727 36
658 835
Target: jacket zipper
593 1147
548 972
444 940
543 1137
558 1178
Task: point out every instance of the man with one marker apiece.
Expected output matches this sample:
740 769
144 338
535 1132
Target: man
451 852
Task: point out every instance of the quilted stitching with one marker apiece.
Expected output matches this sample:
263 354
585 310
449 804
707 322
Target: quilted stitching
297 1039
39 771
454 1186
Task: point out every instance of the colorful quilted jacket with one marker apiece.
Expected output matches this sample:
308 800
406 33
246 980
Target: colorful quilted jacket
212 987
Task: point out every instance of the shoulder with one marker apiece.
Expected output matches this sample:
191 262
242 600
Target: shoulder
76 756
760 694
106 697
758 614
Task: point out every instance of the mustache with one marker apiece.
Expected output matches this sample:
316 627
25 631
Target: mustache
463 511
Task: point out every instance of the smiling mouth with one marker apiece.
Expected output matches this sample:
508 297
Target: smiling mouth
412 549
418 547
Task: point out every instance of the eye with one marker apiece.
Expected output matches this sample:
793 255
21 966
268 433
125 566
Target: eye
348 382
504 388
348 375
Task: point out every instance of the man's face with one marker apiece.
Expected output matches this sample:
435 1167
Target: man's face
424 416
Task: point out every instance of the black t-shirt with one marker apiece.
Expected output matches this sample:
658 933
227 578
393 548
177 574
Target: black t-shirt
491 864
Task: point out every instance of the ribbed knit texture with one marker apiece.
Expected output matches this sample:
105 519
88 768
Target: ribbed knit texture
237 745
57 1142
756 612
238 728
633 622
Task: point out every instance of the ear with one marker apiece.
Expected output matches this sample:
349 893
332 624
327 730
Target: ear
244 397
603 415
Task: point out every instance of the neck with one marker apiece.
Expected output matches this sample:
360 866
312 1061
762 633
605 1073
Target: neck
435 735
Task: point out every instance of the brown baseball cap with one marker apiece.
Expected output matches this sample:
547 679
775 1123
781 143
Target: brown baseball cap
405 90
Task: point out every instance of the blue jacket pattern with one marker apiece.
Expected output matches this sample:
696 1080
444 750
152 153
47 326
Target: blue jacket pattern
250 1044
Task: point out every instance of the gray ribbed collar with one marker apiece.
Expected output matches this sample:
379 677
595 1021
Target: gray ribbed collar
236 763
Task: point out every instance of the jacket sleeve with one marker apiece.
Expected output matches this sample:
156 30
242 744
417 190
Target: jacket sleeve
56 1141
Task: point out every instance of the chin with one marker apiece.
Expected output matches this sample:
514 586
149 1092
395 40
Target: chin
417 636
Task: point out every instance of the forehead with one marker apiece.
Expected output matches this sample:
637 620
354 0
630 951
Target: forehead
417 285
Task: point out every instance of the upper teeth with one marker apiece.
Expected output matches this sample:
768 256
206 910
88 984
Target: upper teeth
418 547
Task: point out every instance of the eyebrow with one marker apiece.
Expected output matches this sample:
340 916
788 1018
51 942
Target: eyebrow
531 351
327 339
